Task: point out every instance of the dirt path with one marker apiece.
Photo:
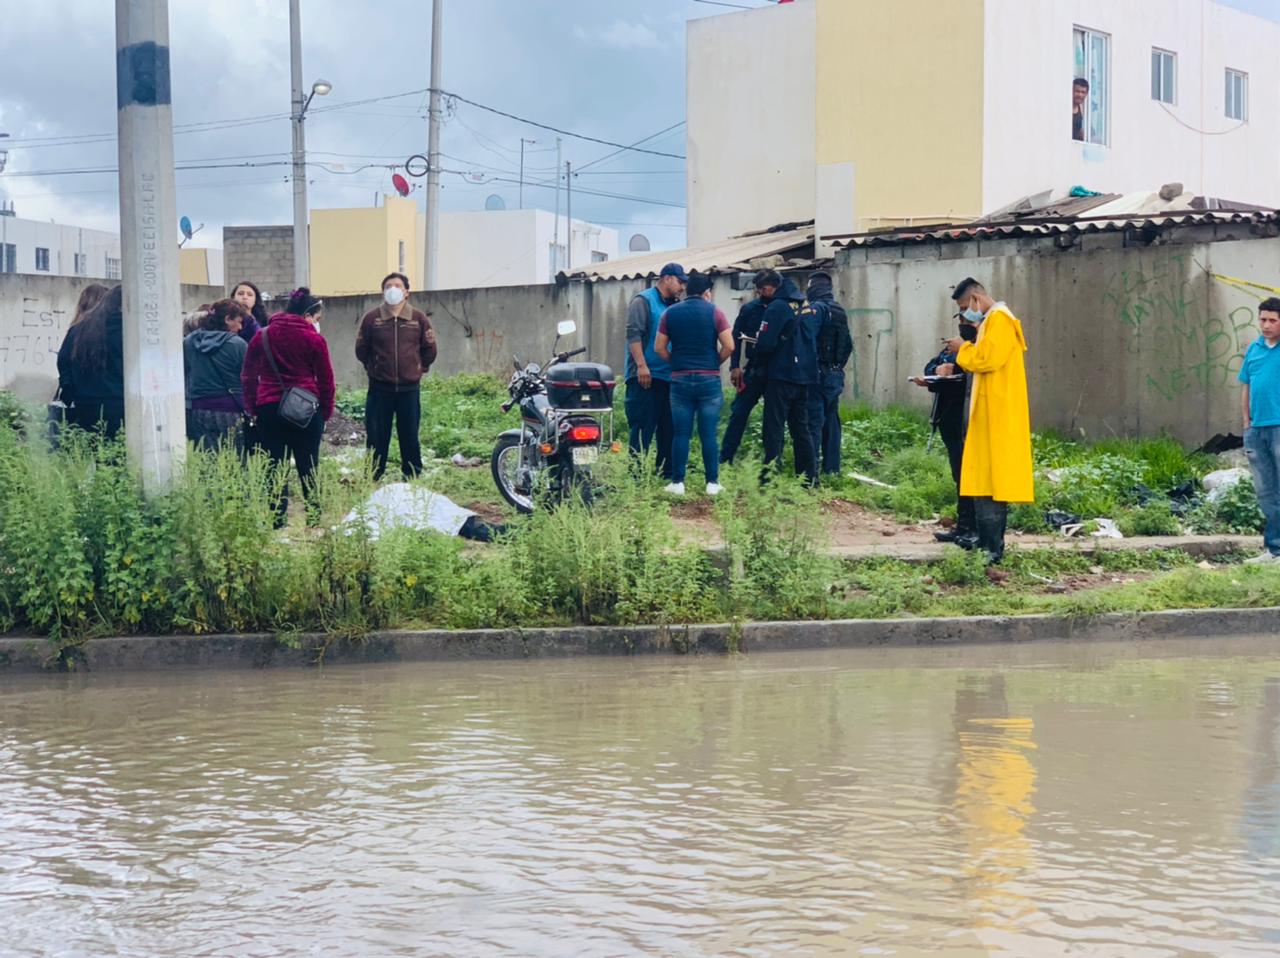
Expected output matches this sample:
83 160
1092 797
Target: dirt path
856 532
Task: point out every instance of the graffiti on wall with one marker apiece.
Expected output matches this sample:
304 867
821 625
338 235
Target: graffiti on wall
31 345
1184 348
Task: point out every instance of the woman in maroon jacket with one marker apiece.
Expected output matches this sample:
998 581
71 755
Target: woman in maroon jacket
301 359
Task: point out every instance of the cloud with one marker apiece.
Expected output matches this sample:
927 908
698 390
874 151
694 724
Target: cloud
620 35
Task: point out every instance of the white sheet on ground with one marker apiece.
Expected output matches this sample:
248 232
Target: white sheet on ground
401 505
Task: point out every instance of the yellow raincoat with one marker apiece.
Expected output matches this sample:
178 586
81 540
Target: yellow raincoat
997 448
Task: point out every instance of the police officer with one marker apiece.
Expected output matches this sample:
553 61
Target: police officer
747 375
835 346
788 348
949 417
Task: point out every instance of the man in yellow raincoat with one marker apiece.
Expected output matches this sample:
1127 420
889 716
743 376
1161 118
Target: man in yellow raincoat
997 453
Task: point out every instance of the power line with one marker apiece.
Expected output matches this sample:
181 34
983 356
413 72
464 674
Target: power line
644 139
553 129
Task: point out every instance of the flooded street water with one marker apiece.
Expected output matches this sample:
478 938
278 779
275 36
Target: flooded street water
1094 800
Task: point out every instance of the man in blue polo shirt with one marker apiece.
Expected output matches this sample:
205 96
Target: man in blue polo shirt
648 376
694 338
1260 408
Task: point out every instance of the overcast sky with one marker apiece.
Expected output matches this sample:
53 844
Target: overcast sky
612 69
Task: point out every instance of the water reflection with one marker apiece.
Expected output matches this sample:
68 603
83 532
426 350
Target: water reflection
995 782
1069 800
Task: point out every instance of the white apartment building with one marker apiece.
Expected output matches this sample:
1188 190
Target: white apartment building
868 114
516 247
51 249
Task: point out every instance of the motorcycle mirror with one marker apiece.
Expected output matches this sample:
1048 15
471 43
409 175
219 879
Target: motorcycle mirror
566 327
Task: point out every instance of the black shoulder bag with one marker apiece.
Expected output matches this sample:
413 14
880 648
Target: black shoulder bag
298 406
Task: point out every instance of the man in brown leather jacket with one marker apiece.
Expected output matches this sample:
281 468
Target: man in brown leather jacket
397 346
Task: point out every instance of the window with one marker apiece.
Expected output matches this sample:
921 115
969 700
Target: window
113 267
9 261
599 256
1091 87
1237 95
42 259
1164 66
82 264
401 256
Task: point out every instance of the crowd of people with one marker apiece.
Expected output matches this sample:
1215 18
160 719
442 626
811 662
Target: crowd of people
266 382
789 349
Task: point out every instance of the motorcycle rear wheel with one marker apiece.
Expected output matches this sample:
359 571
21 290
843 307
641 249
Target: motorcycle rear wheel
505 464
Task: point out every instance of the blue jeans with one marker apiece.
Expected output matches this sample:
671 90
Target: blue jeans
824 418
1262 446
649 420
700 397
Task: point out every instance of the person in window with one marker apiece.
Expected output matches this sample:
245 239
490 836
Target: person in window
1079 94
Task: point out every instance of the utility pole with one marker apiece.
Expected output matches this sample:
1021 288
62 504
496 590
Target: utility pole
555 235
432 244
568 215
523 141
301 240
301 235
155 417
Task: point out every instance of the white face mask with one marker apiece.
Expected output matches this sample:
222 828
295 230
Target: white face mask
393 295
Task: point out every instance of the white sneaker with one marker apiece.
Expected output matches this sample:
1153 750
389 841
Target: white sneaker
674 489
714 488
1262 559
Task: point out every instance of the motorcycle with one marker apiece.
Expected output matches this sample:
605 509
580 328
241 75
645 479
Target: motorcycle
562 406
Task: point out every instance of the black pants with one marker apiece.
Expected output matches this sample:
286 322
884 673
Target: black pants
739 414
649 420
105 416
280 440
951 429
379 409
786 406
991 519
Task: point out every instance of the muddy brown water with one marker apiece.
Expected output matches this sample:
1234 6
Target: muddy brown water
1095 800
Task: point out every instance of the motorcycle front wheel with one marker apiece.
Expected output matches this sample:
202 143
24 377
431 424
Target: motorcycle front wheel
505 464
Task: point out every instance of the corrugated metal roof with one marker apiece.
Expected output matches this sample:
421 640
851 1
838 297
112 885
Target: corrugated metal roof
730 255
1074 215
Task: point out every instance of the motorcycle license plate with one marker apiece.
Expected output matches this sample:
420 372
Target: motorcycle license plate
585 455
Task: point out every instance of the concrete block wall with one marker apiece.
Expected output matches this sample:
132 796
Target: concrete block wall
35 312
1122 340
263 255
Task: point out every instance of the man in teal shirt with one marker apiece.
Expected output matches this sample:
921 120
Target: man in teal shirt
647 401
1260 409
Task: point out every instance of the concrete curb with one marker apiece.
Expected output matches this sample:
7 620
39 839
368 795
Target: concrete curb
155 653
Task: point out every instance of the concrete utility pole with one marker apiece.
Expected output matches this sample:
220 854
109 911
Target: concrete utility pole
432 244
301 234
155 418
568 215
555 233
301 241
523 141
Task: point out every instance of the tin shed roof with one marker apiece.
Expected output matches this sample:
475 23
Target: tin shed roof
792 241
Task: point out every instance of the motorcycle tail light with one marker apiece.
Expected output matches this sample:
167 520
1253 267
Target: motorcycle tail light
546 449
585 433
616 446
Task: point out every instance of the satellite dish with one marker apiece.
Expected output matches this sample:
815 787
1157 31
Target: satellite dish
184 224
494 202
400 183
639 243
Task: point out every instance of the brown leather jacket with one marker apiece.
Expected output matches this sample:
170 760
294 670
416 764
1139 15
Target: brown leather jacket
394 350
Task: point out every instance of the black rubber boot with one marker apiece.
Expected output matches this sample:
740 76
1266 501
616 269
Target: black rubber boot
992 518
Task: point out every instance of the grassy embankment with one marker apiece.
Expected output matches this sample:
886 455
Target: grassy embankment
82 553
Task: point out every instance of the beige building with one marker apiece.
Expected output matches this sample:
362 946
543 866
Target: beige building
864 114
352 249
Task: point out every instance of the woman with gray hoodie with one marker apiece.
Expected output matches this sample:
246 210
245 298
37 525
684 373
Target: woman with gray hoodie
213 355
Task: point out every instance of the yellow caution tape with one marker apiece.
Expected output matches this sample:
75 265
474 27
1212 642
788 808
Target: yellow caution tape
1245 285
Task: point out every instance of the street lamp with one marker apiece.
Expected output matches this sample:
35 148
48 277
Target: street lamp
301 242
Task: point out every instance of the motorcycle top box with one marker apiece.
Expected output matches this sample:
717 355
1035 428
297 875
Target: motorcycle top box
580 386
